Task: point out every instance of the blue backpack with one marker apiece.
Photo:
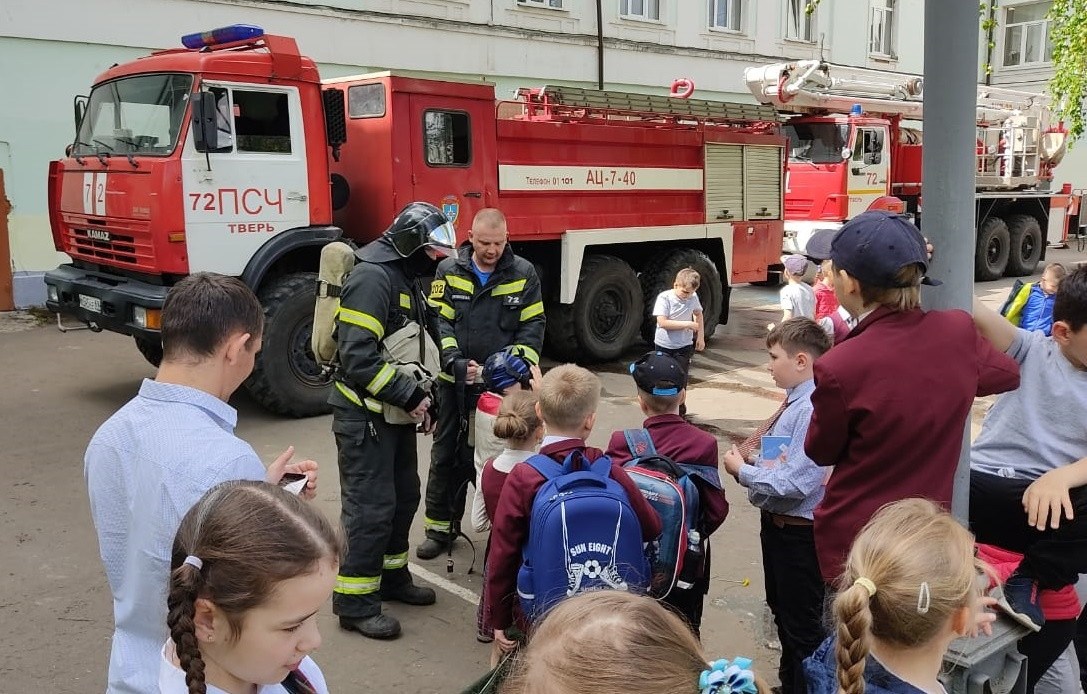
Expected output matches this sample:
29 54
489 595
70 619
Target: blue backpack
678 555
583 535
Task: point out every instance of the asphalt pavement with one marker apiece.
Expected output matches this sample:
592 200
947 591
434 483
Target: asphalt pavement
54 601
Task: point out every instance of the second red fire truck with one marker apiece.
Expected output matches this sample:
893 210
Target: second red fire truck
231 155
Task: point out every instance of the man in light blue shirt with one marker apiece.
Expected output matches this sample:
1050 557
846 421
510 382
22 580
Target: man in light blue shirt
787 486
150 462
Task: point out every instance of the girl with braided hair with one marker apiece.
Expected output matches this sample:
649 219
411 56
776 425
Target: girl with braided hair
911 585
251 566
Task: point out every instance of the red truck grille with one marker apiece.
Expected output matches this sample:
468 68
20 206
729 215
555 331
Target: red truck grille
120 244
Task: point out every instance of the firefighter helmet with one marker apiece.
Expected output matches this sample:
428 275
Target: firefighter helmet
420 225
503 369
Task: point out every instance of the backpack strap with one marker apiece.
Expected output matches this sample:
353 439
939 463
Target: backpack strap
547 467
639 442
709 475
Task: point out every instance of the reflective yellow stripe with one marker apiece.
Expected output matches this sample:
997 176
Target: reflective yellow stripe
509 288
368 403
381 380
363 320
446 377
436 525
449 343
348 393
460 283
405 301
532 311
528 353
443 308
357 585
395 561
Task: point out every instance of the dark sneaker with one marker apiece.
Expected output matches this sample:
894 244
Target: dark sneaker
380 626
409 594
431 548
1020 601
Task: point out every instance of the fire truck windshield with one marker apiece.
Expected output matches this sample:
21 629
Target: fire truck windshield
817 143
139 115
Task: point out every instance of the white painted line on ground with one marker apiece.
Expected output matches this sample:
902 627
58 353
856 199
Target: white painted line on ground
445 584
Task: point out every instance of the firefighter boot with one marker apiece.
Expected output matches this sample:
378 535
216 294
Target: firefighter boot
433 545
409 594
378 626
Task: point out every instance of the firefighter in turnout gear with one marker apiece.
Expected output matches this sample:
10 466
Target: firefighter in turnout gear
486 300
380 398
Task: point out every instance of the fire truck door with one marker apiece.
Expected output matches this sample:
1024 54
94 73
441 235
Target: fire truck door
257 183
452 156
868 168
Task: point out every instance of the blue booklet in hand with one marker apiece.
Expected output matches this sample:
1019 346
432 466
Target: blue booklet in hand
774 449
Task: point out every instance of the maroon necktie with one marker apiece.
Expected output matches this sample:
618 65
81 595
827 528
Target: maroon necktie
754 442
297 683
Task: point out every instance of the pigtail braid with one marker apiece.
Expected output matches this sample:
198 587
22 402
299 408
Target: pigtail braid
185 583
854 618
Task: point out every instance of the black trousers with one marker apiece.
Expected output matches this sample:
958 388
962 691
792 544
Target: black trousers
1042 648
795 593
379 494
681 354
1054 558
452 467
689 603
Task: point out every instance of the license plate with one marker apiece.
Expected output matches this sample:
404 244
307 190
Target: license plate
90 303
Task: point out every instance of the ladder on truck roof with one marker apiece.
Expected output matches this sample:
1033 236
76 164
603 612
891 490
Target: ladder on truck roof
578 104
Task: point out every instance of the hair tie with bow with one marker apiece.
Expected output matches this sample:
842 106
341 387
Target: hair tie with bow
724 677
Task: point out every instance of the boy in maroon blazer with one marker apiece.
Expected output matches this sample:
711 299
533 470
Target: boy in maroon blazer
662 388
568 397
891 400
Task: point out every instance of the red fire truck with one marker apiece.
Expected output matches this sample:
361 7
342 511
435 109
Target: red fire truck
849 149
231 155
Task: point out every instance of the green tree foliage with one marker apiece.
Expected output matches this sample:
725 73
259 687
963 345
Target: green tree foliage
1068 33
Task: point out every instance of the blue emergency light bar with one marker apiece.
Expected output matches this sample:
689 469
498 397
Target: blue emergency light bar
215 37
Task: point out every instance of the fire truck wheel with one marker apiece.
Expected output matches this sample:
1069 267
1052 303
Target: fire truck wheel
286 379
661 275
151 350
604 317
1025 245
991 254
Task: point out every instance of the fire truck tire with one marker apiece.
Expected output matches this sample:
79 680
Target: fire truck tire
1025 245
286 379
661 275
991 254
151 350
604 317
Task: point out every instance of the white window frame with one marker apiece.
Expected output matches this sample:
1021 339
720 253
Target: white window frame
543 4
645 15
797 17
881 29
1044 48
733 11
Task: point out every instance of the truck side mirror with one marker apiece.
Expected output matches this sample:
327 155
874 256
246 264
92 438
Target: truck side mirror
205 129
79 108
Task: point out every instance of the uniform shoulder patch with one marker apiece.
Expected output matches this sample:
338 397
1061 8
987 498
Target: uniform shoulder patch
437 289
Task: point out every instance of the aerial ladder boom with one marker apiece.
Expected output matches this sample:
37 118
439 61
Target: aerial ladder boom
1010 122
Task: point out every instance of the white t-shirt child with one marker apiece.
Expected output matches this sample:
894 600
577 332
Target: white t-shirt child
672 307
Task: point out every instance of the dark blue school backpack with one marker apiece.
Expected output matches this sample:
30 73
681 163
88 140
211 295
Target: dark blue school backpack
677 558
583 535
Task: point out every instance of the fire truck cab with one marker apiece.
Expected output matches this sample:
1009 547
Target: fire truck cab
231 155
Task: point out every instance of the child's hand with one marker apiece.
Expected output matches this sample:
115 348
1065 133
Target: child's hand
1045 498
983 618
700 344
733 461
537 375
693 325
503 643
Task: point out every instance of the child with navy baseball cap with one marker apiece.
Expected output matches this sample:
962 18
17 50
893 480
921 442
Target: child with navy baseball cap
891 399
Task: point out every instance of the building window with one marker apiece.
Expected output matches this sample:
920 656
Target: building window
640 9
799 25
1026 35
725 14
553 4
881 29
448 137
